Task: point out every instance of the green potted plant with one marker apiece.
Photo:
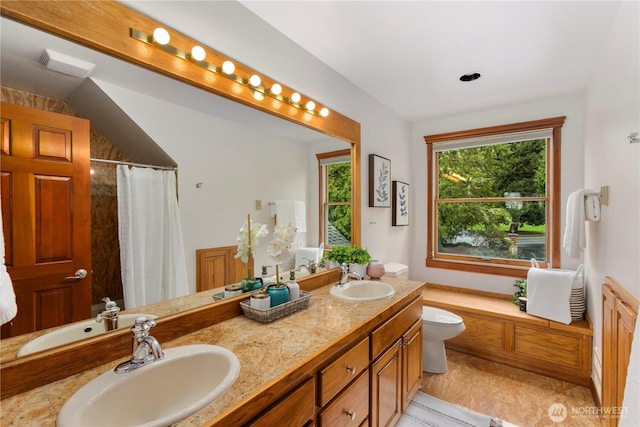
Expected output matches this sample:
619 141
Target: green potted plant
337 256
358 259
521 284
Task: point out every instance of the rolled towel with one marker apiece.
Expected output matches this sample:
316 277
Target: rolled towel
549 293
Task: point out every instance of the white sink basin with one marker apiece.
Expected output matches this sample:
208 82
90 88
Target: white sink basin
76 332
363 290
159 394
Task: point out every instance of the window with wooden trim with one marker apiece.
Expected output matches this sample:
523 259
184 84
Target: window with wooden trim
334 169
493 198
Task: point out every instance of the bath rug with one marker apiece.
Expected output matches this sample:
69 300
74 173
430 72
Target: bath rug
425 410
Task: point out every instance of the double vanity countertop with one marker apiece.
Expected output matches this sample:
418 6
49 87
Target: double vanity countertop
268 353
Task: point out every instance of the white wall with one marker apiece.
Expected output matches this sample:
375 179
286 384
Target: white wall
239 33
572 178
236 166
612 110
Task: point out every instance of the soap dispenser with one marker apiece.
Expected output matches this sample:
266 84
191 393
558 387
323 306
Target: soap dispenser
265 276
294 287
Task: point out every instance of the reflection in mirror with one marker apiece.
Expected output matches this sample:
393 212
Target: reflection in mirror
231 159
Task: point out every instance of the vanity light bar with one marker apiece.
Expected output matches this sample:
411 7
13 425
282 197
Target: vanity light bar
227 69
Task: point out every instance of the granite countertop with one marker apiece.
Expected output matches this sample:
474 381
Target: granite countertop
266 351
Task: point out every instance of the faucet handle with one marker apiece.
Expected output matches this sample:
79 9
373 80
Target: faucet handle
344 268
142 327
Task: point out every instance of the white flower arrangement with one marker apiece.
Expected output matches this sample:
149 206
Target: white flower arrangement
281 243
248 240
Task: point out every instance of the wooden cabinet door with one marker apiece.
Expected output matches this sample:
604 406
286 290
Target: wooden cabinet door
411 363
218 267
386 387
211 266
47 216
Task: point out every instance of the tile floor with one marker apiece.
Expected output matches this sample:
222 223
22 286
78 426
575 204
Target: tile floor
513 395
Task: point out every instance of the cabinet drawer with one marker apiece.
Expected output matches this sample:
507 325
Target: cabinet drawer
337 375
351 407
384 336
298 408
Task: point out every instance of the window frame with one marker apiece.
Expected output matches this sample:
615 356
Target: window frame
323 201
498 266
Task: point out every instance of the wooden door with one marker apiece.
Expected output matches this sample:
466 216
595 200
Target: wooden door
411 363
47 216
386 387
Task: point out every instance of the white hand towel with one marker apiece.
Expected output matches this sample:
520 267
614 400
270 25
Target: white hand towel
8 307
293 212
575 239
549 293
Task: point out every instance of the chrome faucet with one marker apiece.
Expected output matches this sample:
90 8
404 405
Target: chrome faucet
346 274
310 266
110 315
145 348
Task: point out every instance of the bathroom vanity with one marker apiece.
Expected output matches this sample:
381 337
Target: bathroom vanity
335 363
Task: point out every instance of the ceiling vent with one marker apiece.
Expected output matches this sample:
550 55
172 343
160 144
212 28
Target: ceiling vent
66 64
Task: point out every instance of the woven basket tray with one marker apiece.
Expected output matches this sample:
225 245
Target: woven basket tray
276 312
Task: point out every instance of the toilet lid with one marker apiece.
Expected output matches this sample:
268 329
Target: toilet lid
437 315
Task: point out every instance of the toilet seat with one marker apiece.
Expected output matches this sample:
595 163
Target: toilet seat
437 316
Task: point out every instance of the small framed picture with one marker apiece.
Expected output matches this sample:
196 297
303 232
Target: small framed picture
379 182
400 212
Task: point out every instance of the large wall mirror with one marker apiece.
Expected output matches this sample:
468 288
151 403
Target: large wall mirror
231 154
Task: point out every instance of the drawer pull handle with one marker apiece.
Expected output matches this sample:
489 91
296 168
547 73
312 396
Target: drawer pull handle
351 370
350 414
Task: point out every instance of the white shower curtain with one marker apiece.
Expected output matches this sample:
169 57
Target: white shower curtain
151 248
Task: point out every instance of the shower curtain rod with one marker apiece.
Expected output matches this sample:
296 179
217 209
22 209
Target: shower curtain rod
142 165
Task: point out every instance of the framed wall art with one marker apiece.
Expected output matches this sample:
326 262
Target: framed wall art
400 211
379 182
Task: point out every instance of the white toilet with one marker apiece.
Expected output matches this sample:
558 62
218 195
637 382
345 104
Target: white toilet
437 325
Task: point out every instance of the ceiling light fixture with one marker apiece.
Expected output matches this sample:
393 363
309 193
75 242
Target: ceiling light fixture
255 80
197 55
161 36
470 77
228 67
276 89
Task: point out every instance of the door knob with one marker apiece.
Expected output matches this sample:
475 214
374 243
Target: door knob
80 274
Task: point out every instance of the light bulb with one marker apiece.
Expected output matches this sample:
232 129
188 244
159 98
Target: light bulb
324 112
255 80
258 96
228 67
295 97
161 36
310 105
198 53
276 89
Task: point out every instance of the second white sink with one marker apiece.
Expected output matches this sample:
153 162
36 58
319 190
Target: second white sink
186 380
363 290
76 332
